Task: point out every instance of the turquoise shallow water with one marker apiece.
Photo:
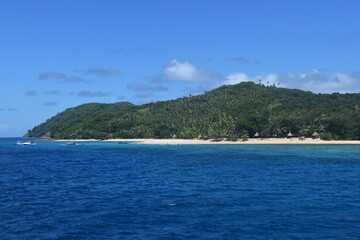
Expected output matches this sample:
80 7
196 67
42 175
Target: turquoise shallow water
132 191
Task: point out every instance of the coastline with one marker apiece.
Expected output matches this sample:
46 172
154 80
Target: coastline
195 141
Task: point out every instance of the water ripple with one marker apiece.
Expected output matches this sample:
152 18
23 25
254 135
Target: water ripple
112 191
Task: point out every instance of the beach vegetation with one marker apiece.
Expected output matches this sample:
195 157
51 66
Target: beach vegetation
228 112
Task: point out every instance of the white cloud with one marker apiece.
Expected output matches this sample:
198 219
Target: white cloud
317 81
236 78
3 127
185 72
314 80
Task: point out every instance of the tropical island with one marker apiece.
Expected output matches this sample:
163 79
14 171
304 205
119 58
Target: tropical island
230 112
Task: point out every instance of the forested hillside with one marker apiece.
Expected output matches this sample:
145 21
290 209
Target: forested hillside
228 112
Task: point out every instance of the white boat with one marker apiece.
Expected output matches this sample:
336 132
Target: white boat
70 144
27 143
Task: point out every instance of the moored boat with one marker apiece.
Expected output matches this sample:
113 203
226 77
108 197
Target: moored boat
27 143
71 144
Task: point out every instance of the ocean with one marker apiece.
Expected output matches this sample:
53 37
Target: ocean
131 191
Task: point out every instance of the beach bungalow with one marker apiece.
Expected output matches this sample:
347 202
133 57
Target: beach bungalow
315 135
289 135
256 135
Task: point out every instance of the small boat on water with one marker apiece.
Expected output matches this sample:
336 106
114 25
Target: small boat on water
71 144
126 142
26 143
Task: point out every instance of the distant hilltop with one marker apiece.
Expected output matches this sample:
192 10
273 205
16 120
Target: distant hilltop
231 111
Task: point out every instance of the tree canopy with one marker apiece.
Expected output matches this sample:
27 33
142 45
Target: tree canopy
227 112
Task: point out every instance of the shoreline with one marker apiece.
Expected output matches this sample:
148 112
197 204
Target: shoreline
195 141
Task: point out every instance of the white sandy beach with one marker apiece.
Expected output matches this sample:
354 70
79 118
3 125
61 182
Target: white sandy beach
194 141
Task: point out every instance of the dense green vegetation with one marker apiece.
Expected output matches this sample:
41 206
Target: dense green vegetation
228 112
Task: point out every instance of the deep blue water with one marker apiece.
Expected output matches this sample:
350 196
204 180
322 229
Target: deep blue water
133 191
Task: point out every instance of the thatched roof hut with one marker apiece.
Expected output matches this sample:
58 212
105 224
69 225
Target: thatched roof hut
315 135
256 134
290 134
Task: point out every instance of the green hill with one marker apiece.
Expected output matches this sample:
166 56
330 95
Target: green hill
229 111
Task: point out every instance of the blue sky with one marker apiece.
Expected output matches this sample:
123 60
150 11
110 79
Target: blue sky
59 54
